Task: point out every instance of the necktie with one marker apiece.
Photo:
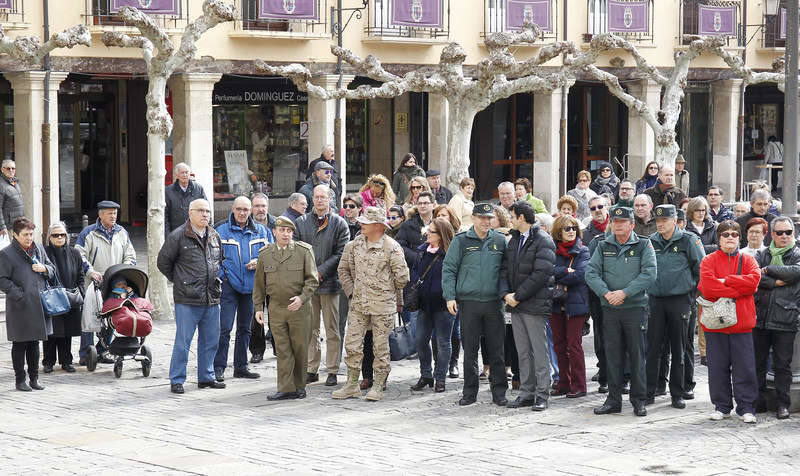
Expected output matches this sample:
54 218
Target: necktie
521 242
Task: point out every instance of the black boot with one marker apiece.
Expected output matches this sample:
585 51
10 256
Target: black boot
22 386
422 383
35 382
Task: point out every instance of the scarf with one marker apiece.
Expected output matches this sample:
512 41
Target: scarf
777 253
611 181
625 203
564 247
650 181
602 226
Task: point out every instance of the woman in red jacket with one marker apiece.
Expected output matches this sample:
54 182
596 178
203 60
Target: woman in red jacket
730 350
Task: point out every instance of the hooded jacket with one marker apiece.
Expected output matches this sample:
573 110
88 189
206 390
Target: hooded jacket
240 245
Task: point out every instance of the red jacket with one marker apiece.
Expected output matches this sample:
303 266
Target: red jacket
719 265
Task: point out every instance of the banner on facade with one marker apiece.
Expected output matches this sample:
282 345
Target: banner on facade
6 4
288 9
518 12
162 7
418 13
628 17
717 20
783 15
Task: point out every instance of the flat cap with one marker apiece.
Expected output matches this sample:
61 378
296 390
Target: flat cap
323 164
666 211
432 173
105 204
617 211
483 210
285 222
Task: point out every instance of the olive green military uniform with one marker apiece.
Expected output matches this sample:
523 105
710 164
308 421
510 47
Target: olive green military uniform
281 275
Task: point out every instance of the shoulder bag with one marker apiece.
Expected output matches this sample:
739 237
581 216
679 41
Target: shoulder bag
55 301
401 343
560 290
411 292
720 314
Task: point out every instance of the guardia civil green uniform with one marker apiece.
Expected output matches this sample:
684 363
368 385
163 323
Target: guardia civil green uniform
282 274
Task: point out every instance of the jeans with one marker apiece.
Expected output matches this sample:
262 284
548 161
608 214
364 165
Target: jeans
443 322
205 319
552 351
87 339
410 318
238 305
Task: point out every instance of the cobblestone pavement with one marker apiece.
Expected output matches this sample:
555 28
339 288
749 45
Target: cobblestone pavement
89 422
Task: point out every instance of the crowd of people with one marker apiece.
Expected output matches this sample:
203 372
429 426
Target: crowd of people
507 280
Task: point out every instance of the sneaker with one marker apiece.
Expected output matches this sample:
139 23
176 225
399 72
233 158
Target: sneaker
718 415
748 418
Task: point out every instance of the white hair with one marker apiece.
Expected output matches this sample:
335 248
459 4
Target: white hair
182 165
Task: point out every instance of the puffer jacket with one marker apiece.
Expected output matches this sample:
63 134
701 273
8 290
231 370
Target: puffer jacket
101 250
176 211
11 203
577 301
192 265
778 307
410 237
328 242
240 245
529 273
431 299
708 235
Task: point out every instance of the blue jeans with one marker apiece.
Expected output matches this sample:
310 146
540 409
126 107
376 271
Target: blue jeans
443 322
410 318
234 304
188 318
87 339
552 351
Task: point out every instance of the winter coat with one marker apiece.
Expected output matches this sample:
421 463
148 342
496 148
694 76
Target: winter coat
401 179
239 247
682 181
335 177
577 301
176 211
610 185
678 263
708 235
443 195
591 231
644 229
69 269
354 228
670 196
431 299
778 307
308 190
742 221
471 268
630 267
11 203
25 317
719 265
642 185
528 274
292 214
101 250
192 265
463 208
410 237
328 244
724 213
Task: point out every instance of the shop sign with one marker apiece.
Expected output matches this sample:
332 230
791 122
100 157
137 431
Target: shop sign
304 130
238 173
519 12
628 17
6 4
163 7
288 9
418 13
256 94
717 20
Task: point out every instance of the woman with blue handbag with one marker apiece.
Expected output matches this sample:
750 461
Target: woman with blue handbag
24 272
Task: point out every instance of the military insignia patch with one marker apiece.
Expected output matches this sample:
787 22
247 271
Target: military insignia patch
675 249
619 211
660 211
632 252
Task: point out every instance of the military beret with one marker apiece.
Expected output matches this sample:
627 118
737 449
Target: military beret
323 164
283 221
681 214
483 210
432 173
617 211
105 204
665 211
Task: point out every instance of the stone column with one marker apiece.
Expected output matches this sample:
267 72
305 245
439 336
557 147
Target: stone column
725 116
641 139
321 116
546 145
193 132
438 112
29 103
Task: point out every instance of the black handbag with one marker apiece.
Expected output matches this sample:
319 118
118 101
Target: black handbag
401 343
560 290
55 301
411 292
75 298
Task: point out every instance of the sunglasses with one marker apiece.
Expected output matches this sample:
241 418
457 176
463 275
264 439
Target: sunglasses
59 235
729 234
598 207
328 172
415 187
379 184
571 228
349 205
394 218
783 232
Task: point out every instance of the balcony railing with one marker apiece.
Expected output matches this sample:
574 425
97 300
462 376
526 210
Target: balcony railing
12 11
254 18
104 13
509 15
773 32
420 19
630 19
710 18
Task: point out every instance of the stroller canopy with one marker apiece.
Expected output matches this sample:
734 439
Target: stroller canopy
136 278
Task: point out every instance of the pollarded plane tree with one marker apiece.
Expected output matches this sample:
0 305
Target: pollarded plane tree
30 50
162 59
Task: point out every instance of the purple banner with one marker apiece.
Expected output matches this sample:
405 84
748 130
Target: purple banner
6 4
418 13
288 9
163 7
783 14
628 17
717 20
533 11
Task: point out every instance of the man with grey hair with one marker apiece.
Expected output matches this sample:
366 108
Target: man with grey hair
664 192
261 210
598 222
643 209
327 155
178 197
759 208
297 206
505 192
11 204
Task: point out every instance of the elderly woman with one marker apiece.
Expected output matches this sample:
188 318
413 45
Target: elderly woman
699 222
727 273
462 203
377 192
567 206
523 190
755 229
408 170
582 193
69 269
24 271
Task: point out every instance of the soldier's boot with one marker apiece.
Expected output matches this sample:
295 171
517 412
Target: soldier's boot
376 392
351 388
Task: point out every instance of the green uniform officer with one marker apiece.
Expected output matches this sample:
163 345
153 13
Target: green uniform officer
622 268
286 273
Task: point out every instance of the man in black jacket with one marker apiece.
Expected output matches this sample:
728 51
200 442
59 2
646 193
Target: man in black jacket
327 233
178 197
441 194
598 206
410 235
759 208
526 285
328 156
190 259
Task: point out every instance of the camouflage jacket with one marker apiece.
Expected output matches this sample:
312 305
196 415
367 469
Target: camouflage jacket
373 275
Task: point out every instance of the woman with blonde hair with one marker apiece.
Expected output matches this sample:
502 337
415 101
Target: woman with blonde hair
462 203
567 206
416 186
377 192
447 212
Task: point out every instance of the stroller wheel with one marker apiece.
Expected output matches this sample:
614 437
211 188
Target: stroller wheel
148 362
91 359
118 368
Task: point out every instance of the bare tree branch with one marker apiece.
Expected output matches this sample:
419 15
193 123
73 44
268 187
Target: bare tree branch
608 42
31 51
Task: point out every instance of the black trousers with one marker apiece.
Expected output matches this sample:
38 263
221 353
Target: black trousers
61 346
456 344
369 357
688 353
599 341
22 352
483 319
669 318
782 345
512 357
625 330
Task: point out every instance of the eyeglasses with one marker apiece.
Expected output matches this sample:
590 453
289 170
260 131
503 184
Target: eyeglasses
350 205
598 207
571 228
783 232
583 180
415 187
729 234
59 235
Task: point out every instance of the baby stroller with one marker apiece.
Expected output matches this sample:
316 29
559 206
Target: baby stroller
125 319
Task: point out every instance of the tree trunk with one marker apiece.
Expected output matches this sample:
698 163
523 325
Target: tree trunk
459 134
666 148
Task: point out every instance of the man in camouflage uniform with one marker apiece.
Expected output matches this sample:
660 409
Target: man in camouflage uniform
373 273
287 274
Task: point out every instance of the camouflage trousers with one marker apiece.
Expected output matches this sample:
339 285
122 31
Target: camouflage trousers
357 325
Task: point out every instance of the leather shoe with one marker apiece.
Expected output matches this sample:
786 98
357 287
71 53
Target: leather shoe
105 359
331 380
439 387
176 388
282 396
422 383
219 374
703 361
365 384
35 384
678 403
211 384
311 378
558 393
82 361
607 409
467 401
256 358
301 393
519 402
688 395
68 368
639 409
661 391
245 373
453 372
540 405
782 413
650 401
596 377
603 388
626 388
47 368
576 394
500 401
23 387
